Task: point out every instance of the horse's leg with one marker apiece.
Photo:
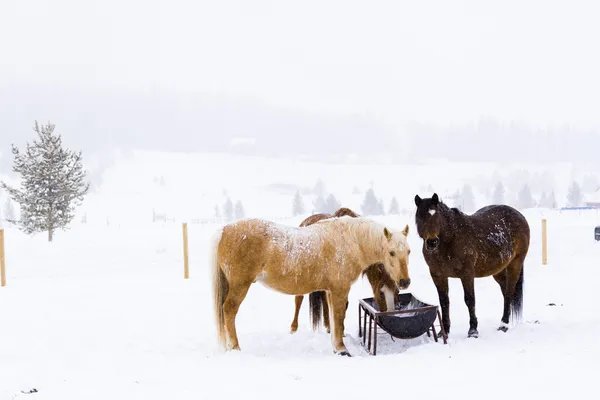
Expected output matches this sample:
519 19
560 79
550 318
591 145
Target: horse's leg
376 285
235 296
513 275
468 283
298 301
339 299
326 301
441 284
501 278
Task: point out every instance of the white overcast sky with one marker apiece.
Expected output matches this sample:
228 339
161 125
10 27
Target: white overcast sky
431 61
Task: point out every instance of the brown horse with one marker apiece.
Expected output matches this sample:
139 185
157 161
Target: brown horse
385 290
329 255
492 241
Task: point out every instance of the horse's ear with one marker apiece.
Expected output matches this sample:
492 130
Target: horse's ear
417 200
387 233
435 199
405 231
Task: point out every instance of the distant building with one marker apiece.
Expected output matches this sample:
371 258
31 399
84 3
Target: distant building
592 199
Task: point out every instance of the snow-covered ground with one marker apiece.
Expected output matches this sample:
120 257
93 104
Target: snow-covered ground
104 313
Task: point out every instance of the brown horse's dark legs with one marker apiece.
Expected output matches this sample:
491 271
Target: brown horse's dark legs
512 272
441 284
501 278
469 289
298 301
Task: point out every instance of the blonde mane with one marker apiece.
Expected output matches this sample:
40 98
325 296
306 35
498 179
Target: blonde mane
365 231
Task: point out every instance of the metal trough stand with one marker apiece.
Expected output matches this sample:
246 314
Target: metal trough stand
412 318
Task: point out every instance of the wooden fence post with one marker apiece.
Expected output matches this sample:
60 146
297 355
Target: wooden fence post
186 261
2 260
544 243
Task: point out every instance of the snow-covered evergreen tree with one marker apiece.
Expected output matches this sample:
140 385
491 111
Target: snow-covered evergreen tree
380 207
319 189
239 210
228 210
298 205
552 200
52 183
525 199
543 201
8 212
394 207
575 196
319 205
467 199
217 211
498 195
370 204
332 204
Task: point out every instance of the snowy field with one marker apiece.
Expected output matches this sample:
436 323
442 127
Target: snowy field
104 313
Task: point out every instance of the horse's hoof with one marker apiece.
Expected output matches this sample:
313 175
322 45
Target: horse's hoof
293 329
473 333
503 328
344 353
441 335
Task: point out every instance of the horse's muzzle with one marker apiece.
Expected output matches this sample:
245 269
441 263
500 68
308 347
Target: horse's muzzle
432 244
404 284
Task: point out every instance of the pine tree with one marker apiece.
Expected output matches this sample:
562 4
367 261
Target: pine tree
52 183
380 207
228 209
552 200
319 189
239 210
467 199
298 205
332 204
394 207
525 199
217 211
574 197
9 211
544 201
320 205
370 204
498 196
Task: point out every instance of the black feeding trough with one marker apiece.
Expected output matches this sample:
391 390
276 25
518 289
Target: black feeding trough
410 319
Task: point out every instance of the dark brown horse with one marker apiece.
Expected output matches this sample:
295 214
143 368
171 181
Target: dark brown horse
385 290
492 241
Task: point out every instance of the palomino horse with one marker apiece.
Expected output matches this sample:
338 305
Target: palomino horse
326 256
492 241
385 290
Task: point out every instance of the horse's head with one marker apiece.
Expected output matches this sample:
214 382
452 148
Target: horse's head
395 258
428 220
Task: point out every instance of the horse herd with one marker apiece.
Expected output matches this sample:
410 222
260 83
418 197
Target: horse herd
326 254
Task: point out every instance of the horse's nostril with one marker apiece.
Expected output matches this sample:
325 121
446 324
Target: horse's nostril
404 283
432 243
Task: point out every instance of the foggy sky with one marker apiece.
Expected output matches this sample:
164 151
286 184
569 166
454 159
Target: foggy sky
386 62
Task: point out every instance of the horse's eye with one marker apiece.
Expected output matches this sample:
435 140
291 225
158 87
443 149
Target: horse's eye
392 253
